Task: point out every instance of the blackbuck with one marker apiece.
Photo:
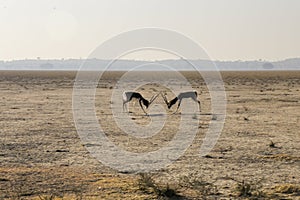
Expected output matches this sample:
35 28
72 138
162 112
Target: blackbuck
128 96
183 95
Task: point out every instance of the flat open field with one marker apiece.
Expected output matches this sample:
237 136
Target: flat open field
256 156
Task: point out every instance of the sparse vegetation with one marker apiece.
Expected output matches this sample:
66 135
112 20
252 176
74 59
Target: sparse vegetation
214 117
272 144
41 154
249 189
194 116
288 189
198 185
148 185
47 197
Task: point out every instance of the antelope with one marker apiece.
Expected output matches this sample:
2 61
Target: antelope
183 95
128 96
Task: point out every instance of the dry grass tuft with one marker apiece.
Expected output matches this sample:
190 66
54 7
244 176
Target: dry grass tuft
287 188
198 186
147 185
249 189
282 157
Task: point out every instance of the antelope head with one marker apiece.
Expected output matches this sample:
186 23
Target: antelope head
169 103
166 100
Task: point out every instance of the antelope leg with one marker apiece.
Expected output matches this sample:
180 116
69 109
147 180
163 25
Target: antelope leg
142 107
177 107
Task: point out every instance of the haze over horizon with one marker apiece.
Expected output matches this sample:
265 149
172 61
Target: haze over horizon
130 58
228 30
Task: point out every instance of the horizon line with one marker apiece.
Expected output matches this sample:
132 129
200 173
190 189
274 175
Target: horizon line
146 60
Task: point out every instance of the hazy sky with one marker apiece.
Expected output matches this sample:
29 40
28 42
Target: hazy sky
227 29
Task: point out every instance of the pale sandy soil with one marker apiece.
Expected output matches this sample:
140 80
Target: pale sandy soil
41 153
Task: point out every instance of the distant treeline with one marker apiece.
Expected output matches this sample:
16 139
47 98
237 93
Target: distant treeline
124 65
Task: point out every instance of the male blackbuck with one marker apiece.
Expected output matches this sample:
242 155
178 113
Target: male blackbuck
183 95
128 96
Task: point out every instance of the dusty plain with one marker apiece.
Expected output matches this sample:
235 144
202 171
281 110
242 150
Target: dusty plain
256 157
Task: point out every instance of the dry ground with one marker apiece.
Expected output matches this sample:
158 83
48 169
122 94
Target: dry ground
257 155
